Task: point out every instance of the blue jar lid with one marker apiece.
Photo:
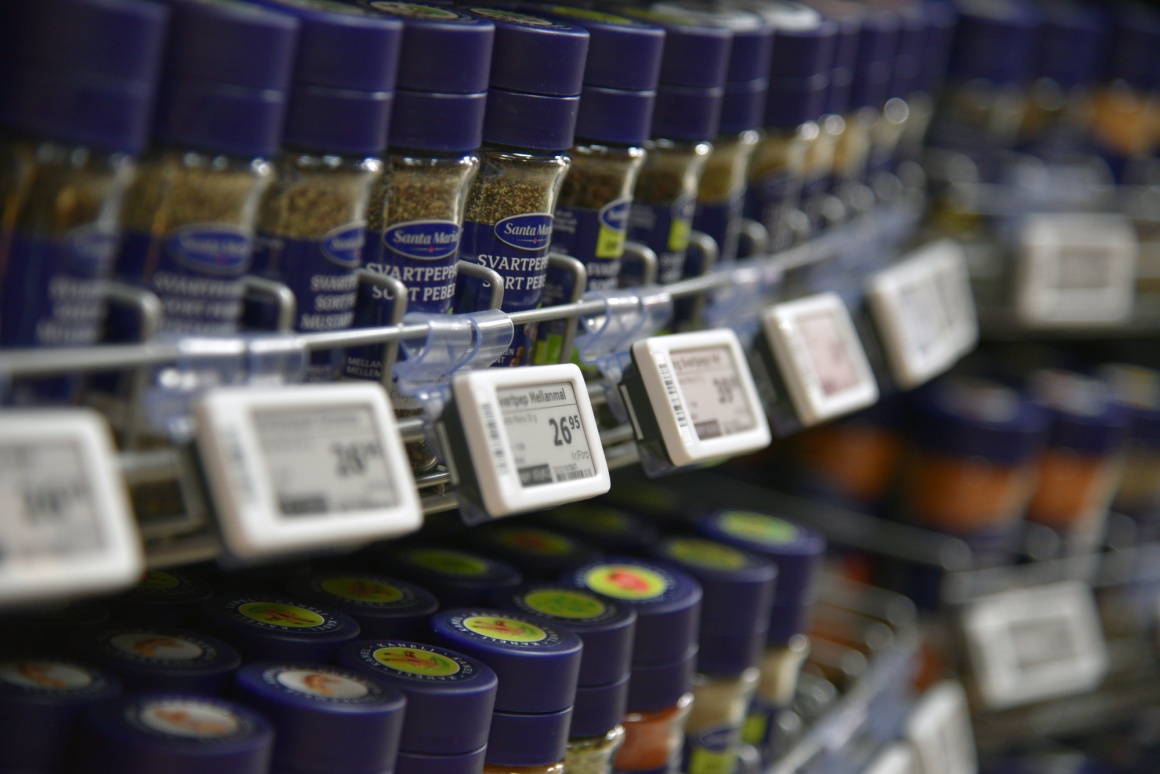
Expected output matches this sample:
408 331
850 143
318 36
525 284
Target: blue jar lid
528 740
42 701
789 617
800 69
977 418
268 627
995 41
696 55
1083 414
50 625
844 57
162 596
737 585
417 763
537 663
156 732
158 658
731 653
1073 44
450 696
667 602
599 708
874 68
385 608
340 104
81 71
909 56
940 42
623 53
535 54
659 686
796 550
612 529
518 119
605 627
225 77
1137 389
1134 55
327 719
427 121
537 552
457 578
687 114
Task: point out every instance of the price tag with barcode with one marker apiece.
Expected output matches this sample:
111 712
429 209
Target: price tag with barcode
66 526
525 438
301 467
1035 643
1075 269
939 729
820 358
693 394
953 282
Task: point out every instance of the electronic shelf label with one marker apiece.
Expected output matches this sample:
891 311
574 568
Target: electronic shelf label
939 729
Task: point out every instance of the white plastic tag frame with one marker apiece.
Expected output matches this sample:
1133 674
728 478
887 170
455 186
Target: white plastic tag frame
898 758
939 728
490 444
1035 643
813 335
66 526
1075 269
674 406
255 517
953 281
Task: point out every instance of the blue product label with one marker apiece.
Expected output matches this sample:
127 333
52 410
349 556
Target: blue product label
197 273
760 729
665 228
770 199
596 238
712 750
722 222
423 254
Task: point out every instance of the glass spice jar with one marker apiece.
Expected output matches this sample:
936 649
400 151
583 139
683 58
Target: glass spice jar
593 755
190 214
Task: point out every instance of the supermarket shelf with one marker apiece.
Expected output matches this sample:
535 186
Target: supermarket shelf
1004 326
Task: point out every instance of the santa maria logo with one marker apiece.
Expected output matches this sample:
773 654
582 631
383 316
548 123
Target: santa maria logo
626 581
366 590
417 661
532 231
424 240
322 684
344 245
210 248
90 249
154 646
535 541
506 629
562 603
280 614
159 581
45 675
449 562
614 215
705 553
189 718
757 527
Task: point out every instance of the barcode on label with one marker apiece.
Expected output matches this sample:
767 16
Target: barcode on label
304 506
572 475
491 425
671 390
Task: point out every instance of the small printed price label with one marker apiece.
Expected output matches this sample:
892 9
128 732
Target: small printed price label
1035 643
698 389
297 468
939 729
820 357
898 758
66 527
1075 269
953 282
527 438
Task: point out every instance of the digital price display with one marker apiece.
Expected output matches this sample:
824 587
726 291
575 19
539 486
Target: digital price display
693 394
301 467
1075 269
1031 644
525 438
939 730
66 527
819 356
953 283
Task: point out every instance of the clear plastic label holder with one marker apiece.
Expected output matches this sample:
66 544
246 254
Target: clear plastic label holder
738 304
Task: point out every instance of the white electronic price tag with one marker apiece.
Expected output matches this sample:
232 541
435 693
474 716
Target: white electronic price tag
66 527
915 324
898 758
525 438
953 281
297 468
819 356
1075 269
939 728
1035 643
694 394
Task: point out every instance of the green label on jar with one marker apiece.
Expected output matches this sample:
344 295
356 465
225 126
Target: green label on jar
705 553
280 614
450 562
626 581
561 603
160 581
757 527
512 17
535 541
362 590
416 661
506 629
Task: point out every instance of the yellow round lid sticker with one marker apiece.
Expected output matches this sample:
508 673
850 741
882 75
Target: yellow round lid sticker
416 661
450 562
594 519
535 541
362 589
706 553
626 581
160 581
506 629
280 614
561 603
757 527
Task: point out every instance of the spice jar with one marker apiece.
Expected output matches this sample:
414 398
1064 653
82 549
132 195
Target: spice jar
162 597
538 665
64 167
312 220
457 578
667 602
690 93
797 551
385 608
268 627
803 45
538 553
450 701
190 214
610 529
606 629
738 592
942 24
160 658
1138 390
532 104
905 64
